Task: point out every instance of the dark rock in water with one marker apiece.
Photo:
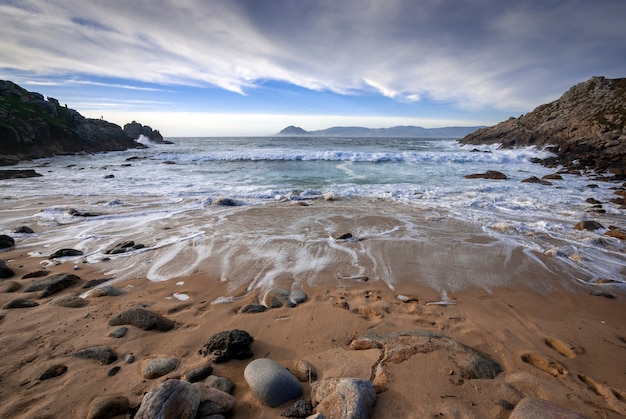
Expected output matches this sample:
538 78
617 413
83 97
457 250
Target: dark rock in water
76 213
71 301
489 174
226 202
103 354
199 374
213 401
124 247
18 174
53 372
109 176
119 332
158 367
6 241
349 398
603 294
5 271
36 274
300 409
227 345
271 383
220 383
254 308
532 407
143 319
592 201
136 130
61 253
20 303
107 407
535 179
346 236
553 176
52 285
588 225
24 230
170 399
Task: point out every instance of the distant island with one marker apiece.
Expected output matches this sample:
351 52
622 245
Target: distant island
403 131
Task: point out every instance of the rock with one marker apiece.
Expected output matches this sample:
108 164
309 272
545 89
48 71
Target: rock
129 358
227 345
489 174
103 354
346 398
592 201
158 367
135 130
66 253
119 332
107 407
615 232
271 383
53 372
124 247
300 409
107 291
213 401
304 370
585 125
553 176
172 399
279 297
535 179
6 241
588 225
18 174
11 286
226 202
143 319
24 230
220 383
53 284
5 271
95 282
76 213
401 345
35 274
532 407
113 371
71 301
253 308
199 374
20 303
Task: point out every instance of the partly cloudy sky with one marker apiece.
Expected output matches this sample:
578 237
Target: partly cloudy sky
252 67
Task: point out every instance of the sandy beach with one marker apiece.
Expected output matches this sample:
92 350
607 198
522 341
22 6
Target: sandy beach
555 338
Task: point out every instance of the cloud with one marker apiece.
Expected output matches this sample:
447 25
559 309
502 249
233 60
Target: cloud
475 54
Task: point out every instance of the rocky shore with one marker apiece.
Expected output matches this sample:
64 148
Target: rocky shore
32 126
76 342
585 128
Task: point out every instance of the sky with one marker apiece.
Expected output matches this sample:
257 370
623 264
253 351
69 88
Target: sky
253 67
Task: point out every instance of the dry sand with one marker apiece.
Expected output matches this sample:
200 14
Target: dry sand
552 337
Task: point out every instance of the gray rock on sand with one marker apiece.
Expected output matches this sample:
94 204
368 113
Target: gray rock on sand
532 407
53 372
220 383
20 303
71 301
103 354
53 284
108 407
271 383
118 332
279 297
346 398
304 370
213 401
158 367
143 319
170 399
199 374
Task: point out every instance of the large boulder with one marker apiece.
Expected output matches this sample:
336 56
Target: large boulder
172 399
271 383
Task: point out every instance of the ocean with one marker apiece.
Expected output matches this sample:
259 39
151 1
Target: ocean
139 190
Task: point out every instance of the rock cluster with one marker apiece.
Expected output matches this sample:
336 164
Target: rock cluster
32 126
585 127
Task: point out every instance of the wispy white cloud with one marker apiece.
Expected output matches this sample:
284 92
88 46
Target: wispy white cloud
510 55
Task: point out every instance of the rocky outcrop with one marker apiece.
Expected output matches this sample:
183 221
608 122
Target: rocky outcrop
136 130
586 127
34 127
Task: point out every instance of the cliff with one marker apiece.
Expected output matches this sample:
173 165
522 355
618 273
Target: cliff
34 127
586 127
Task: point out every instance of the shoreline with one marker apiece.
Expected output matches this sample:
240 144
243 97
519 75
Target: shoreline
535 320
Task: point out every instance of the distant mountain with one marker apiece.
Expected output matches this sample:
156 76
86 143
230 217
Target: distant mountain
406 131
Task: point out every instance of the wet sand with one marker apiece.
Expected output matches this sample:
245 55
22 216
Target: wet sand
552 336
